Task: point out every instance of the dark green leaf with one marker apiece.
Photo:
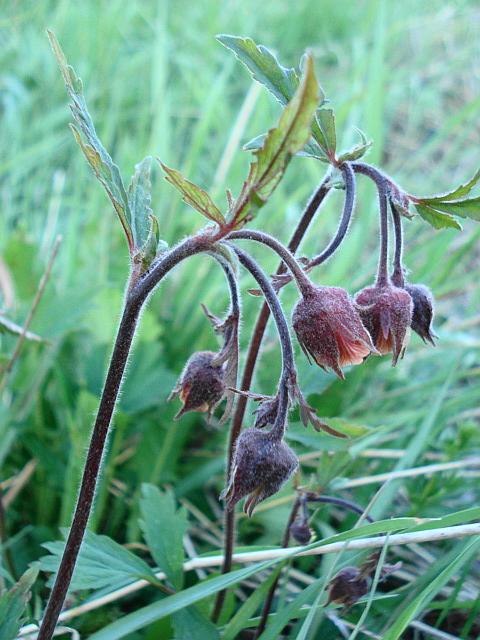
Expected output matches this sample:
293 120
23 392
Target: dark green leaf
456 194
7 326
280 144
163 528
84 131
193 195
102 562
13 602
437 219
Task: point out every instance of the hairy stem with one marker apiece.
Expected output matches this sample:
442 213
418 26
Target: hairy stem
288 258
135 298
384 186
288 363
398 277
313 205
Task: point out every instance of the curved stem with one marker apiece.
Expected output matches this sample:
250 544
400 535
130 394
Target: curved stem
348 206
384 186
288 363
313 205
398 277
302 280
344 504
136 296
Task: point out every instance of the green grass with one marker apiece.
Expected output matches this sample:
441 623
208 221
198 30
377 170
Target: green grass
158 83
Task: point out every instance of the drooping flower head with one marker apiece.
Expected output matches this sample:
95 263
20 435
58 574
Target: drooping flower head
260 467
386 311
422 315
330 330
300 530
201 385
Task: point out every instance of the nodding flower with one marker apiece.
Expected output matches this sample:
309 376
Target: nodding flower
261 465
349 585
329 329
422 316
386 311
201 386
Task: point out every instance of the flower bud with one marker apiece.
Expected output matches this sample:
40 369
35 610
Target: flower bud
201 385
386 311
330 330
422 311
261 465
266 412
348 586
300 531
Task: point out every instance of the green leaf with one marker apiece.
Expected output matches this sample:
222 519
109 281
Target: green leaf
272 159
248 608
456 194
323 130
13 602
193 195
469 208
102 562
140 200
7 326
311 150
437 219
100 161
358 151
264 67
470 548
190 624
167 606
163 528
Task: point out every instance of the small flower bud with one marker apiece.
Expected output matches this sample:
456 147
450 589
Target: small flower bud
201 385
330 330
261 465
386 311
422 311
348 586
300 531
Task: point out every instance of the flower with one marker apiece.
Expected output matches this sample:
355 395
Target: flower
422 311
260 467
386 311
201 385
330 330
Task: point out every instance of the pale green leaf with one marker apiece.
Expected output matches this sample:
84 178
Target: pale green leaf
469 208
140 200
358 151
323 129
193 195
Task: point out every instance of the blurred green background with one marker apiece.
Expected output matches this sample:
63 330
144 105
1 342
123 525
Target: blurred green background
158 83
